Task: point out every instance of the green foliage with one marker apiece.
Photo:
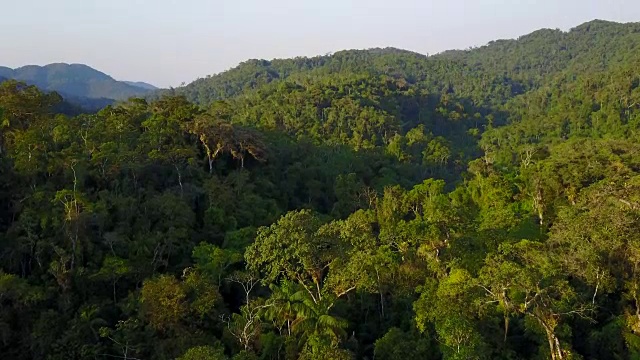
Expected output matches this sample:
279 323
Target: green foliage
478 204
204 353
399 345
163 302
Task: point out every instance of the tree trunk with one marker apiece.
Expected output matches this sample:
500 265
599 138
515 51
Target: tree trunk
554 342
551 346
558 348
114 291
381 295
179 180
506 327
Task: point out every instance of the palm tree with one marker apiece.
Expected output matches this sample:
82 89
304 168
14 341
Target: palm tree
313 318
282 313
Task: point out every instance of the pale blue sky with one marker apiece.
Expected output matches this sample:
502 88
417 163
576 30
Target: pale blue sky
166 42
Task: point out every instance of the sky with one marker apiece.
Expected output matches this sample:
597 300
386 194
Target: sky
167 42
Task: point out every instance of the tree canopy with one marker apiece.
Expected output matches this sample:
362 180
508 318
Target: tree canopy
374 204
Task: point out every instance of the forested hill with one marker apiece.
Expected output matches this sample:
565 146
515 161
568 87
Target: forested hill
254 73
379 204
595 45
520 64
75 81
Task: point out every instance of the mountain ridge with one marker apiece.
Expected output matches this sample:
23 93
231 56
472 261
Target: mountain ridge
76 81
530 58
142 84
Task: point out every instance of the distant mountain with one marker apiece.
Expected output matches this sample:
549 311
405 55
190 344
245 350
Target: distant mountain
142 85
76 81
5 72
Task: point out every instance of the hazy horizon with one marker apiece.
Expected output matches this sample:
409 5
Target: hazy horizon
168 42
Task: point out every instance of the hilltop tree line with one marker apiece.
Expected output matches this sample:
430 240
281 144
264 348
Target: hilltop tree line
380 204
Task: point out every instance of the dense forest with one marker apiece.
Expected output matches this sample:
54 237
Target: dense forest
373 204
